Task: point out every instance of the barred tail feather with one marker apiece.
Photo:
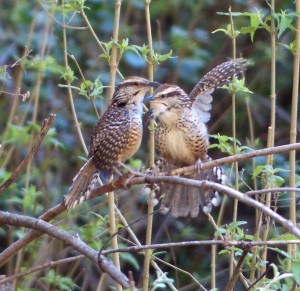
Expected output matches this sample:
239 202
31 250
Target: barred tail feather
186 200
83 183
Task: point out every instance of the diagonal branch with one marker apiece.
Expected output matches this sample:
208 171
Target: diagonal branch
237 270
53 231
32 152
123 181
31 235
287 224
236 158
222 243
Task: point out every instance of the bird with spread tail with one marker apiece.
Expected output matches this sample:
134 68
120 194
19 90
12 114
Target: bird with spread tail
116 137
182 138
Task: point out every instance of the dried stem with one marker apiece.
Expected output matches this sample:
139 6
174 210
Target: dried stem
236 167
237 270
221 243
70 94
113 64
42 267
151 155
32 152
293 128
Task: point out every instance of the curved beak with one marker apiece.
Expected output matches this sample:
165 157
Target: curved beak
148 98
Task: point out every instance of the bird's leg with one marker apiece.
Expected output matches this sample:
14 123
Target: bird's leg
198 166
116 171
158 167
131 171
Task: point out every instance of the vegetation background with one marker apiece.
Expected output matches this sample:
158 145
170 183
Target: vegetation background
37 69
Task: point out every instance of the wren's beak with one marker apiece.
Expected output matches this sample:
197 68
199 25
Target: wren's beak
148 99
153 84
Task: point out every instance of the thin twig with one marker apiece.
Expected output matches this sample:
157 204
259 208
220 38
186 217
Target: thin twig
221 243
32 152
182 271
218 187
236 271
236 166
263 191
42 267
293 128
235 158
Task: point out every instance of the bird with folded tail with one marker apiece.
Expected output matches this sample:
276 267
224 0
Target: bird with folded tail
116 137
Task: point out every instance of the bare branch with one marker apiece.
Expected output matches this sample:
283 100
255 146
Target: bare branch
276 190
221 243
124 181
218 187
237 270
31 235
236 158
53 231
32 152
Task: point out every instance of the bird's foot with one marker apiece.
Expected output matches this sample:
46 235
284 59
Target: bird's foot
157 168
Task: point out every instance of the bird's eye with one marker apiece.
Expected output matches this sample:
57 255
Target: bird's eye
163 95
136 83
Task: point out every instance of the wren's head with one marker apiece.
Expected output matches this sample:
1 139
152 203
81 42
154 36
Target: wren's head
167 102
132 90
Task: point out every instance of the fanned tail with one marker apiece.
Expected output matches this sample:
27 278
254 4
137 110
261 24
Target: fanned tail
83 183
186 200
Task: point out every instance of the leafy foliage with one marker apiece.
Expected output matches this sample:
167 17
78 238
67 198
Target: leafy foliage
35 81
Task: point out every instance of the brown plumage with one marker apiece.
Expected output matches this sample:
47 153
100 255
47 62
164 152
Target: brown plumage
116 137
182 138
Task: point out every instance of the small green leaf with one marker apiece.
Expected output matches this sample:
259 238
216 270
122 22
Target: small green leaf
86 84
286 236
285 22
296 271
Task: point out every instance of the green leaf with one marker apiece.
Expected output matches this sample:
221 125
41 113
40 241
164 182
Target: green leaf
237 86
86 84
296 271
255 21
292 47
161 58
285 22
235 224
286 236
257 171
222 252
